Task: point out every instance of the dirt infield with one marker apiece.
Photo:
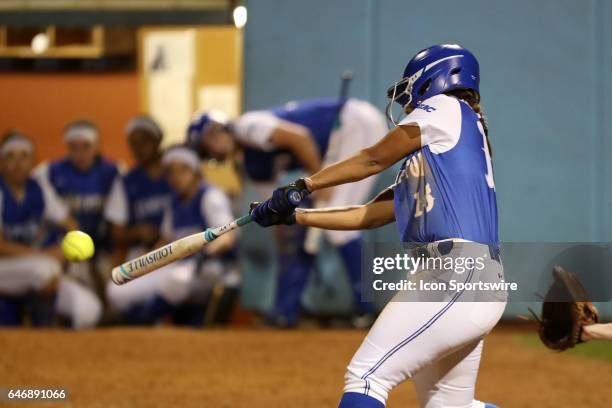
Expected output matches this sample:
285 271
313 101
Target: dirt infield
259 368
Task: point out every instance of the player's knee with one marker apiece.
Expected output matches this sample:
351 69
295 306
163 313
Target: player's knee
78 303
118 298
88 313
177 286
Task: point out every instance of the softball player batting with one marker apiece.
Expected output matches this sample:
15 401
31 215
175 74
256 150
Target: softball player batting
444 198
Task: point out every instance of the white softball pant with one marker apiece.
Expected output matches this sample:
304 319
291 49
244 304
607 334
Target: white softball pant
171 282
22 274
174 282
79 303
437 344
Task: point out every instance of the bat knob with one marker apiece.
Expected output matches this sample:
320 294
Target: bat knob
294 197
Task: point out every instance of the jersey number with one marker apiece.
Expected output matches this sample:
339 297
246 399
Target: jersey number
485 149
428 203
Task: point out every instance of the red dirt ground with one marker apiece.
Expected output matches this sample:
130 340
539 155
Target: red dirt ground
167 367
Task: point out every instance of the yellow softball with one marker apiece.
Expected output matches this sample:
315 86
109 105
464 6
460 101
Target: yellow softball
77 246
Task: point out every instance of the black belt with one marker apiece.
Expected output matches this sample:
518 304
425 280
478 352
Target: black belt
443 248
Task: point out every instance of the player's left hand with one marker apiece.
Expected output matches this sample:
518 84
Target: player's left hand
287 198
265 216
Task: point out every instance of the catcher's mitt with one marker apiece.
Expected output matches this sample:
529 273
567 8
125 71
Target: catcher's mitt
565 311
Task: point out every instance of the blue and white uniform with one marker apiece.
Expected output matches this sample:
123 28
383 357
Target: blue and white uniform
339 128
26 222
85 193
444 191
173 283
262 160
22 221
135 199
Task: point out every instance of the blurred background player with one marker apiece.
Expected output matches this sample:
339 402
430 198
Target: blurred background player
299 136
137 199
30 273
83 181
194 206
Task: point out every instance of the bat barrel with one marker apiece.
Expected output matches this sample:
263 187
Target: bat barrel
173 251
158 258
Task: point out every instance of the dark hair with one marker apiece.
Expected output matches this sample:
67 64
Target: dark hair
472 98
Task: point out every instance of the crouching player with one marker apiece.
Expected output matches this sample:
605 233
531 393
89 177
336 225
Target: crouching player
137 199
194 206
30 274
299 135
83 181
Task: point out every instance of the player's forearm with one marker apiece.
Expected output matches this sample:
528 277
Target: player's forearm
69 224
9 248
358 167
310 158
298 140
372 215
597 332
123 236
399 142
306 151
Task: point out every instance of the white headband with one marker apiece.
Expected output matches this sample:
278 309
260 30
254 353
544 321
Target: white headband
182 155
146 124
81 132
17 143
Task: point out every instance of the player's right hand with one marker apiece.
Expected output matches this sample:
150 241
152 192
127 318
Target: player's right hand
264 215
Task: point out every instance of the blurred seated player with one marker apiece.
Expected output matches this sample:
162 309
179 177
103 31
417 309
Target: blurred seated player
83 181
137 199
194 206
30 273
299 135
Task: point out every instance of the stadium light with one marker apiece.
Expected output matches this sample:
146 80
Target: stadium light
40 43
240 16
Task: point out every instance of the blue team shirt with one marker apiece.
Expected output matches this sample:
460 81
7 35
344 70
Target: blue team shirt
146 197
85 192
319 115
189 217
446 189
21 220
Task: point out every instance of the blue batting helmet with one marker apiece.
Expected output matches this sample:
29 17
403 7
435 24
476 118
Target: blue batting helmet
201 123
435 70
